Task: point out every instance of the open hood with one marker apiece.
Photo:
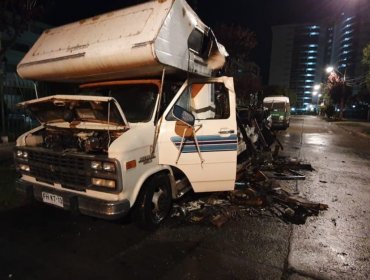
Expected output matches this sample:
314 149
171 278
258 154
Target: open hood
77 110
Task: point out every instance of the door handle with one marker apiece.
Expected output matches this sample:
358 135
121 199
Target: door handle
226 131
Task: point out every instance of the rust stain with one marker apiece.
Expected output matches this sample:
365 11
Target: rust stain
122 82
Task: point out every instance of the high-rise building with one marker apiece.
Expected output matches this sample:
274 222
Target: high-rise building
301 52
298 55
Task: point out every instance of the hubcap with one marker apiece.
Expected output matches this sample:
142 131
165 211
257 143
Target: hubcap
159 204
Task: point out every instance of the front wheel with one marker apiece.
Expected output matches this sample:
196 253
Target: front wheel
154 202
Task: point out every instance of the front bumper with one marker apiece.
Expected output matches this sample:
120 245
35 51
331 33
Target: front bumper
110 210
277 124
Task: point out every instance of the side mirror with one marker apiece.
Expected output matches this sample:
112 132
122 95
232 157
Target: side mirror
183 115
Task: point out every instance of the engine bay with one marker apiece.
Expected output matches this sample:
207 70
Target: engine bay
73 140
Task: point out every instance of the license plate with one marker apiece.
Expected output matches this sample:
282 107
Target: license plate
52 199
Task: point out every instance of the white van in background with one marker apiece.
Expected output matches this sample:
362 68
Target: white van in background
279 107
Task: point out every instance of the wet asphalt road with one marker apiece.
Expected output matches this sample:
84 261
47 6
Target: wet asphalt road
40 242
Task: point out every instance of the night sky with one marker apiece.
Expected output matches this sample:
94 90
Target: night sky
257 15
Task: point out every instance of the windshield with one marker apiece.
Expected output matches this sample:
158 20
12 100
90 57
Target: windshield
277 105
136 100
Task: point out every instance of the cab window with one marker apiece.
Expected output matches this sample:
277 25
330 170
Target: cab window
205 101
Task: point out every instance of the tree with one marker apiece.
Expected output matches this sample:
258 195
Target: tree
366 61
15 15
239 43
338 91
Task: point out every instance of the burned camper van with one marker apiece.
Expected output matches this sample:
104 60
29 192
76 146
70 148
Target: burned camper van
132 140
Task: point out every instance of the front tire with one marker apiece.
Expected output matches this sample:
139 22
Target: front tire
154 202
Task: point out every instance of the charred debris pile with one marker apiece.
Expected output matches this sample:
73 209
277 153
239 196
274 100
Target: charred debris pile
262 194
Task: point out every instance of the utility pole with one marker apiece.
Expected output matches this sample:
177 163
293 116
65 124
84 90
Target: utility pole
343 95
2 104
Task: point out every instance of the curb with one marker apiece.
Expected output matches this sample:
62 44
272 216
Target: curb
354 132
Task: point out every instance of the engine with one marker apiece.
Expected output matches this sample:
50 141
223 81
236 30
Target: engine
58 139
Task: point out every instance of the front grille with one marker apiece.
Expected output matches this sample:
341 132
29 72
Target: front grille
71 170
50 167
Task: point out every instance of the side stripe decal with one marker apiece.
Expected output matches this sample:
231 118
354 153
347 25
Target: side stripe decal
207 143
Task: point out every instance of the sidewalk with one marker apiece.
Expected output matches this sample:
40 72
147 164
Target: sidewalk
360 128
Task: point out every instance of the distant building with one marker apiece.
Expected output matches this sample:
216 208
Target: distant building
297 59
301 52
16 89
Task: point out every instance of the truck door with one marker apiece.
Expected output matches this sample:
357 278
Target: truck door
206 152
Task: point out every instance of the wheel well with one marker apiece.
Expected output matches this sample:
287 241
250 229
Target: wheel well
162 172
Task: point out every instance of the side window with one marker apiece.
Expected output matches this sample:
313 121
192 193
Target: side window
199 43
205 101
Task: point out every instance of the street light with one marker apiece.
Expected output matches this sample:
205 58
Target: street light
337 77
329 69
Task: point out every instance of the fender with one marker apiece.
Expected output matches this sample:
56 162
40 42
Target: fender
148 173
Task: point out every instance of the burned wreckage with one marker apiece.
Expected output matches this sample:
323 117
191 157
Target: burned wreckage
151 121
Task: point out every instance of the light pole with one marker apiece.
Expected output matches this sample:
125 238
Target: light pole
2 103
316 89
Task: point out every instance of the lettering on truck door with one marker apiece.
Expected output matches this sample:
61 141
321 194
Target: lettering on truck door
207 154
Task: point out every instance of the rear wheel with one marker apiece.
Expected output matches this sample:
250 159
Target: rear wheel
154 202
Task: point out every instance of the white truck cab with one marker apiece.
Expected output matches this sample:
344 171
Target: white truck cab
131 140
88 155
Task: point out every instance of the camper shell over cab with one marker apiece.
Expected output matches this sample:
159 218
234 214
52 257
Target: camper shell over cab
131 43
121 144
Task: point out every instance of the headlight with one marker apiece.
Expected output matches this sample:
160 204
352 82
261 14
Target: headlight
103 165
22 154
111 184
97 165
281 118
109 166
24 167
